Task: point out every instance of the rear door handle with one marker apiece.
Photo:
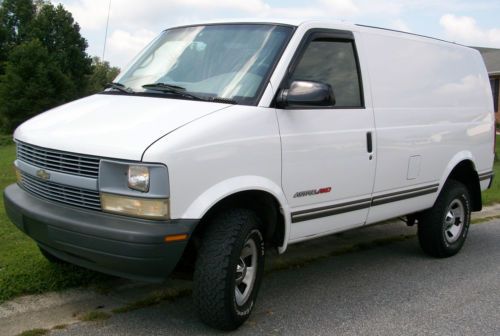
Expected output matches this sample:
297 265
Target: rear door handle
369 142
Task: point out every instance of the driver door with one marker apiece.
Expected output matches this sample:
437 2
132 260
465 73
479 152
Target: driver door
328 158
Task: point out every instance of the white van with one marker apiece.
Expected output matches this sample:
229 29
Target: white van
224 140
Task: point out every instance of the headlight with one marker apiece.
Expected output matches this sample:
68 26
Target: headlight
138 178
149 208
134 189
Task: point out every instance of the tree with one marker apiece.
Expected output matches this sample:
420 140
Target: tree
102 73
59 61
15 19
33 82
58 32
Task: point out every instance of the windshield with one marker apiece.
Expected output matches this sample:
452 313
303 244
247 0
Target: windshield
227 61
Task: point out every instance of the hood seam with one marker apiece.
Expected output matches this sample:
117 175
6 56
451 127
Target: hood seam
189 122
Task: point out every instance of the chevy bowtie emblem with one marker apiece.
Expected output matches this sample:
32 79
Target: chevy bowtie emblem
43 174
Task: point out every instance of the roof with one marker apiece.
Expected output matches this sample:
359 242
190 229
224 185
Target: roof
491 59
335 24
283 21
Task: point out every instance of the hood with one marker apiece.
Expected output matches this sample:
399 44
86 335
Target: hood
113 126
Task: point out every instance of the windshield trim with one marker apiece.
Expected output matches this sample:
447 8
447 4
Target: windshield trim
238 23
263 85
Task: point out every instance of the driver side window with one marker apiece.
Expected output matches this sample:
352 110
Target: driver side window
332 62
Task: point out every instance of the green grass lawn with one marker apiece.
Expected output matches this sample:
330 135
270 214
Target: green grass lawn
23 270
492 195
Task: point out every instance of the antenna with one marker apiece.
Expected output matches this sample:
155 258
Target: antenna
106 34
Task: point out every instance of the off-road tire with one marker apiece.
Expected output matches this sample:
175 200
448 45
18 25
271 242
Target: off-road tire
433 234
215 270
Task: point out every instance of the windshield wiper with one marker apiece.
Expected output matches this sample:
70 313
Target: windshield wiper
164 86
169 88
119 87
181 91
222 100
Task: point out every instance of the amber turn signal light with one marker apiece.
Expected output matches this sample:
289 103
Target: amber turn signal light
174 238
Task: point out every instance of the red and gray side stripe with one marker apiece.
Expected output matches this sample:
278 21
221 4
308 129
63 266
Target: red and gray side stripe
304 215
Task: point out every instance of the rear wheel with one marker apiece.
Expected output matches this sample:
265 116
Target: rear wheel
229 269
442 230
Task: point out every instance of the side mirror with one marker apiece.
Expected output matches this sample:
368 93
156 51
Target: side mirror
306 94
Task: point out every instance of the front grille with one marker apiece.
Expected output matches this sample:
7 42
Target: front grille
69 163
83 198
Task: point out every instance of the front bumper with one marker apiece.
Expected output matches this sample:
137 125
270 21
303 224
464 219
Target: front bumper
117 245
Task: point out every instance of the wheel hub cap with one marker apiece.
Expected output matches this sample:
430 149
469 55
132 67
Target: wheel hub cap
241 271
246 272
454 221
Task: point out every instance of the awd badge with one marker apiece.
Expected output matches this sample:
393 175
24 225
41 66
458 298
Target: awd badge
312 192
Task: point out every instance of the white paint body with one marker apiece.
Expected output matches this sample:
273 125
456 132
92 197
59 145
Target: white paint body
428 105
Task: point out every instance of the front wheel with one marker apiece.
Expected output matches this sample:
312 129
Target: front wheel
229 269
442 230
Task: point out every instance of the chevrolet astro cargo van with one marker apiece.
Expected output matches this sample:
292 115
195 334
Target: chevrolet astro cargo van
222 141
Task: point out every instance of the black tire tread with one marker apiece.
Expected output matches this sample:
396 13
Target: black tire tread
429 227
209 289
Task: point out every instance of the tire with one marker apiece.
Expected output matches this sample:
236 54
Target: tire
442 230
224 290
51 258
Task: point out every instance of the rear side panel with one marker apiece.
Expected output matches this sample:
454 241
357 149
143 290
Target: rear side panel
433 107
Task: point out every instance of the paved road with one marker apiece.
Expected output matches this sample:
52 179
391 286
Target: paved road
389 290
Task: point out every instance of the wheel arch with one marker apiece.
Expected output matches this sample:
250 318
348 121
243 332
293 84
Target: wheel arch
266 207
262 203
251 192
463 169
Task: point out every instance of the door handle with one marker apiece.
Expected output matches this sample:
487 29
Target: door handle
369 142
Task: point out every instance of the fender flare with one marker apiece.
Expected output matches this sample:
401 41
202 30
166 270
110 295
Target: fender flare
213 195
455 160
